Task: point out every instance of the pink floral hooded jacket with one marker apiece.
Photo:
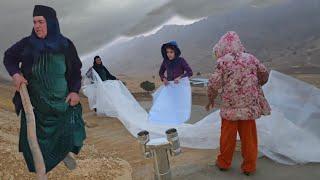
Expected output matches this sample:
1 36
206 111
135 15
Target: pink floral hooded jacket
238 77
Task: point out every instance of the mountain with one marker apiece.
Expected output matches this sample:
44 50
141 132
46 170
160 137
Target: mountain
285 36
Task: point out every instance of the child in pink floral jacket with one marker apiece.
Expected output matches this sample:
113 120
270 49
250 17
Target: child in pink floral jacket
238 77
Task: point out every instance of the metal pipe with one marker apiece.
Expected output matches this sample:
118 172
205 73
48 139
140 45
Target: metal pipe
161 164
173 138
143 139
159 149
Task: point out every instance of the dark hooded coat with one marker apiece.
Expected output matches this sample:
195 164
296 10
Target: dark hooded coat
174 68
103 72
52 68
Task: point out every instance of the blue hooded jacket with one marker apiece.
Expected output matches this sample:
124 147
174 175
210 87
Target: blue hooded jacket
178 67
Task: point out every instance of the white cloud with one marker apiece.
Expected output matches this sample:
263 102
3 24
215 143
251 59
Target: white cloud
92 24
175 20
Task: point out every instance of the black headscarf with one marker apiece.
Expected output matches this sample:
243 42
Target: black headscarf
96 66
54 41
100 67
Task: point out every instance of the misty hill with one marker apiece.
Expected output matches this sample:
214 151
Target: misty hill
284 36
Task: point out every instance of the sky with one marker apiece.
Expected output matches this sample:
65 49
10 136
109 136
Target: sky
93 24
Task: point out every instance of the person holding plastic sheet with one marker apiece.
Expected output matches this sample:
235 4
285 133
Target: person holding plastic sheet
175 66
50 66
103 72
239 77
172 101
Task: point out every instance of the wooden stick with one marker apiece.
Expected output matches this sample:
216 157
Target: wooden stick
32 135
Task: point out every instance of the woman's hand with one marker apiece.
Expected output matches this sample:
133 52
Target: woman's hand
18 80
73 99
165 81
176 81
210 106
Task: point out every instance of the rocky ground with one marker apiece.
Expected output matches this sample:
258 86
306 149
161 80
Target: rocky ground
92 164
111 152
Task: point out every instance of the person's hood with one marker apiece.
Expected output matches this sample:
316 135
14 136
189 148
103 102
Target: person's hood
54 41
45 11
51 18
95 65
175 47
228 44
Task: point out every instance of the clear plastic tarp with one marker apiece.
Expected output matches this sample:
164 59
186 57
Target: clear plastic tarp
172 103
289 135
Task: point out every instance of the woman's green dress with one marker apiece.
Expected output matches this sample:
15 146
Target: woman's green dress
60 127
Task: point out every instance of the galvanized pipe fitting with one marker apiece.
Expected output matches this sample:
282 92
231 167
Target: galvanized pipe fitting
143 139
158 150
173 138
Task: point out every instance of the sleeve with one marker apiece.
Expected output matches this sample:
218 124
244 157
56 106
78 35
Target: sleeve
162 71
215 82
74 79
89 73
13 57
262 72
187 69
109 75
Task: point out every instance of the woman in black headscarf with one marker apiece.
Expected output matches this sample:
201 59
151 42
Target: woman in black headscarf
101 70
51 68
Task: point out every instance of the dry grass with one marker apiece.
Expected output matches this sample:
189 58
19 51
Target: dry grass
91 163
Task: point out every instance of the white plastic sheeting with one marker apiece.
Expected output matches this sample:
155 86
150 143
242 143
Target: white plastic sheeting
289 135
172 103
299 101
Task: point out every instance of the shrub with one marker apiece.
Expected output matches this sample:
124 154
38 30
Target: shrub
147 86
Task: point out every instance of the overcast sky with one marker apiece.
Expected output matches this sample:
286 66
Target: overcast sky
92 24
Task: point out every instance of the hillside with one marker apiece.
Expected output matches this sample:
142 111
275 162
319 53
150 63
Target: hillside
284 36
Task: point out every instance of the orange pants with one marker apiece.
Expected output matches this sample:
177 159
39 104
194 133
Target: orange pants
249 143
